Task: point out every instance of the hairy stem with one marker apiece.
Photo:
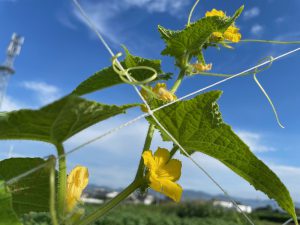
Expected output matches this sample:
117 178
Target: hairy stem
112 203
147 145
52 200
62 180
178 81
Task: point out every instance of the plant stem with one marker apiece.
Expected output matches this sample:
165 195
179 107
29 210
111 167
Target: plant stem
112 203
52 200
178 81
191 12
173 151
62 179
147 145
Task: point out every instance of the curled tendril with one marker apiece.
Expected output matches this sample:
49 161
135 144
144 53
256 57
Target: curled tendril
270 59
257 70
125 74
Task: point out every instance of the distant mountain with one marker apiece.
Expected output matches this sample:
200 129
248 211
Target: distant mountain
196 195
192 195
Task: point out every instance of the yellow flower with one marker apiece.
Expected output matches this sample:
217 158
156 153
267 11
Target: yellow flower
163 94
231 34
163 172
76 183
215 12
200 67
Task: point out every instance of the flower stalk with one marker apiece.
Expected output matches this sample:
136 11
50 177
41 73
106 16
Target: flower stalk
112 203
147 145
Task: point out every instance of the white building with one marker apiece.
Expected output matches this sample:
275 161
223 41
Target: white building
230 205
92 201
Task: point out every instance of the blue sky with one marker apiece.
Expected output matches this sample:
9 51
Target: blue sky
60 51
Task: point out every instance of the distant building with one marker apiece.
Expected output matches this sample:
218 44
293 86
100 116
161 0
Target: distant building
230 205
94 201
112 194
101 195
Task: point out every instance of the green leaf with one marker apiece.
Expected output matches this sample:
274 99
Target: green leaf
58 121
192 39
7 214
31 193
198 126
108 77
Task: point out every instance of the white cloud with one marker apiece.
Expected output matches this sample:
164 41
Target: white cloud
105 13
254 141
257 29
169 6
10 104
251 13
45 93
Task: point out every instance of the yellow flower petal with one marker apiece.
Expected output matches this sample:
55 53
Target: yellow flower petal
163 172
172 170
161 156
232 34
200 67
167 187
148 159
215 12
77 181
161 90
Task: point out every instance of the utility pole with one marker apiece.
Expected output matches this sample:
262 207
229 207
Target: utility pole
6 69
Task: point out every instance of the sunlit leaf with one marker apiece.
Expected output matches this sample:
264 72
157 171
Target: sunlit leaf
7 214
192 39
30 193
198 126
58 121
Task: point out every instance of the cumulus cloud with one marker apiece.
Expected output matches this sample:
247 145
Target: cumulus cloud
257 29
45 93
251 13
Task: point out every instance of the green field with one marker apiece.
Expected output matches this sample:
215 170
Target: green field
170 214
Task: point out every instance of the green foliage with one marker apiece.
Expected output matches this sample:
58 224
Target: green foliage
30 193
58 121
191 213
7 214
191 40
198 126
108 77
